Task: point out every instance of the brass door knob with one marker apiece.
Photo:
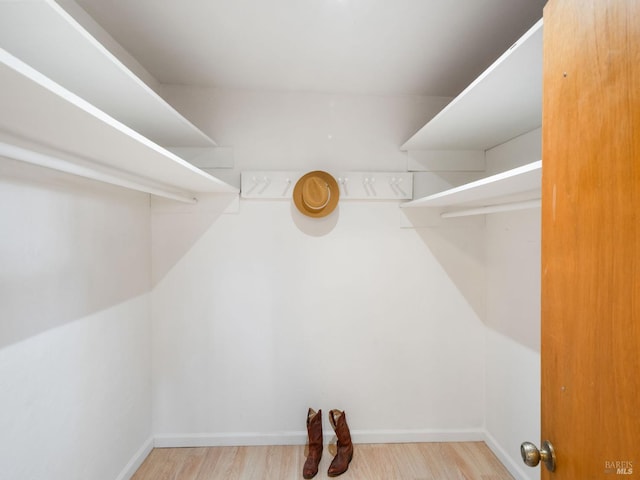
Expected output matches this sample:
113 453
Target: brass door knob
531 456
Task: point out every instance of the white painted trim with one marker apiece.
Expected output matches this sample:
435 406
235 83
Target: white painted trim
513 467
130 469
274 184
300 437
229 439
414 436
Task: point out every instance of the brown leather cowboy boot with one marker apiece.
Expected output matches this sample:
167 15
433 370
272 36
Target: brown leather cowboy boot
340 462
314 430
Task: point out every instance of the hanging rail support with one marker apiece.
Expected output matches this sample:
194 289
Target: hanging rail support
506 207
101 174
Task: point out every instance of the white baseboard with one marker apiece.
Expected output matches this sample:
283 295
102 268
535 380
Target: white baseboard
136 460
229 439
414 436
300 437
510 464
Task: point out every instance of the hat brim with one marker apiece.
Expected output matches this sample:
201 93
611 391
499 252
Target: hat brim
333 197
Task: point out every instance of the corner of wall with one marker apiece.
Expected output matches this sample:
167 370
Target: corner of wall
136 461
514 468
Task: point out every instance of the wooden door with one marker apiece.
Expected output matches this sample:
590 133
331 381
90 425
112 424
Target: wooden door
591 238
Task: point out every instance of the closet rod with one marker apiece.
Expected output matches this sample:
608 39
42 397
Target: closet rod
505 207
112 177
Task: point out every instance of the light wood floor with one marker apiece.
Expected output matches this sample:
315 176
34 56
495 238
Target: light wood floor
408 461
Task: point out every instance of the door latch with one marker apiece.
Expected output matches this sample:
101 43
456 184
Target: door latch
531 456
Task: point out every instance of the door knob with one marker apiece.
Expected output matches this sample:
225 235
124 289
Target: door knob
531 456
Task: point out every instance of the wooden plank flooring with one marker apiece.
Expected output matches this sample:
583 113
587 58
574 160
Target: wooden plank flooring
407 461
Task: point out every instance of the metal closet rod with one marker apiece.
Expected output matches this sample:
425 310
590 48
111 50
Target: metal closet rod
505 207
113 177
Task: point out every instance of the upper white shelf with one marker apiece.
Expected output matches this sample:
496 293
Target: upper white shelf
46 37
488 191
502 103
43 123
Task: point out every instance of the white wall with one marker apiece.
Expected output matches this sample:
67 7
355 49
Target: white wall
513 318
262 313
261 319
74 326
513 349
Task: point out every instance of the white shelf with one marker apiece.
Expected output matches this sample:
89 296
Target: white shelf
501 104
521 183
44 123
44 36
504 102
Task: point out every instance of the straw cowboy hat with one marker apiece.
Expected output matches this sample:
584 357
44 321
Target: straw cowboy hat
316 194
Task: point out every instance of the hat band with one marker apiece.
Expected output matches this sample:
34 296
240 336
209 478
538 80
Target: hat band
311 207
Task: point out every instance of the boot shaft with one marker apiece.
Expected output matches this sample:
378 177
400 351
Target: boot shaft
314 427
338 422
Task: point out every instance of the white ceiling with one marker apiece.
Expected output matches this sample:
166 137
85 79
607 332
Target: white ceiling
405 47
